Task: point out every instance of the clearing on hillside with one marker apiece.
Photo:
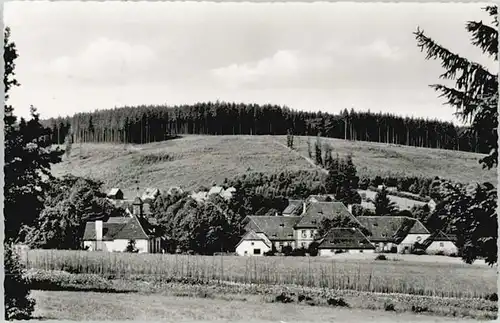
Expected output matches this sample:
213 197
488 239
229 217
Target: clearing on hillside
192 161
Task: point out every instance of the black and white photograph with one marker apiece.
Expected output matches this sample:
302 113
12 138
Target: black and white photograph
250 162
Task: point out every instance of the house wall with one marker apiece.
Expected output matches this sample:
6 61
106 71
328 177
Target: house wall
331 252
384 246
279 244
447 247
304 239
246 248
407 244
118 245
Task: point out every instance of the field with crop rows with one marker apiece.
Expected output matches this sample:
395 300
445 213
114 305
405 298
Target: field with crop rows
431 279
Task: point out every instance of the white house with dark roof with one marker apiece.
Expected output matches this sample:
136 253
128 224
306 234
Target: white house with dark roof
307 227
253 244
440 242
115 234
394 233
279 230
115 194
344 240
296 231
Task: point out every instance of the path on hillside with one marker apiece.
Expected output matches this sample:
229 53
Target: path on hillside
309 160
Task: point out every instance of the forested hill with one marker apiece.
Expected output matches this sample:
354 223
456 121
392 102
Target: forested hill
144 124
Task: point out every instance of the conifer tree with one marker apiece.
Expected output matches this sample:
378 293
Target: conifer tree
317 152
383 205
475 94
309 149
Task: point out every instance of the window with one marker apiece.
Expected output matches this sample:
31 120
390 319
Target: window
441 244
246 252
256 251
361 251
304 234
253 243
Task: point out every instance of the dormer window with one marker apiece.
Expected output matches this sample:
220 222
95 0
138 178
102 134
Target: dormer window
282 225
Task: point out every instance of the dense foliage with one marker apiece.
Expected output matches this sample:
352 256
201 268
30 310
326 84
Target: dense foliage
201 227
342 179
471 212
18 304
143 124
383 205
69 203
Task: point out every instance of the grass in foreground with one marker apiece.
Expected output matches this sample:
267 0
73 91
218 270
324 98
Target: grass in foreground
300 296
99 306
431 279
192 161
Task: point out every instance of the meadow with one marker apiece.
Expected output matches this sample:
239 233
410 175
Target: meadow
193 160
90 306
366 275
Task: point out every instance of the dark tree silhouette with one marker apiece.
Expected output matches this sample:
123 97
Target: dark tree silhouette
383 205
475 94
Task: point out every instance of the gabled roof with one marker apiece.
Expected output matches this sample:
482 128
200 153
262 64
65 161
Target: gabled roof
321 198
438 236
316 211
391 228
345 238
294 207
150 194
274 227
127 228
215 190
114 191
253 236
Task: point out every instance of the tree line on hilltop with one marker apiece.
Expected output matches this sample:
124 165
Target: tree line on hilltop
144 124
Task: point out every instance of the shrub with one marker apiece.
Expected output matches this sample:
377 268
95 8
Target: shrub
492 297
419 309
270 253
337 302
287 250
389 307
18 304
282 298
381 257
302 298
440 253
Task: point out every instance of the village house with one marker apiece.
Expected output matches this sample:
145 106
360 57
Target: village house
115 194
294 208
279 230
150 194
306 228
394 233
440 242
344 240
253 244
115 234
291 230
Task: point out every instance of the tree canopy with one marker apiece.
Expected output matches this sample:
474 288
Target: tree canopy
475 94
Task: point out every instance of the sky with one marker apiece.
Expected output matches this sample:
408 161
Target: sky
83 56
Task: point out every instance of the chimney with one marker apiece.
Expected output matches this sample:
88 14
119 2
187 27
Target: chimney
303 207
349 207
98 234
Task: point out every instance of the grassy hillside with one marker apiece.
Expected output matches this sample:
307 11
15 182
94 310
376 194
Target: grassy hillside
192 161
